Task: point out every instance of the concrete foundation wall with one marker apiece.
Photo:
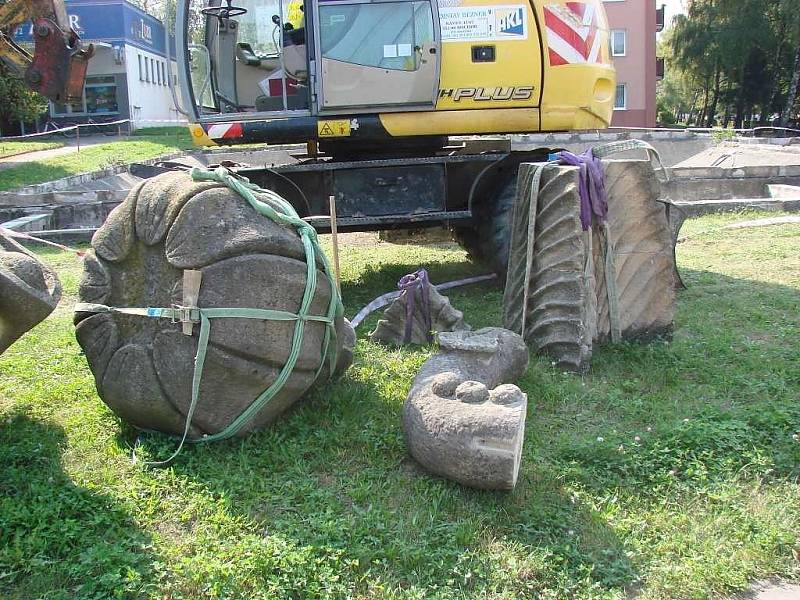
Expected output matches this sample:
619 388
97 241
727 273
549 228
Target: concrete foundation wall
694 184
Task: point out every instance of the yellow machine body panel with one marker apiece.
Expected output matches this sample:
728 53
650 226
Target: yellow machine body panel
553 74
462 122
503 66
483 67
580 82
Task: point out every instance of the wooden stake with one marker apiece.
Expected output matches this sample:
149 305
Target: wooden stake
191 293
335 240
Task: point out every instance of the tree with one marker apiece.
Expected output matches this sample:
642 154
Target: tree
675 92
788 111
740 57
791 16
17 102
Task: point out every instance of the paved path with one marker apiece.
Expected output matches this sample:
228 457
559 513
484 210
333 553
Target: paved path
770 590
734 155
71 146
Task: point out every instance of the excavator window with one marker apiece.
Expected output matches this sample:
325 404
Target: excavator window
388 35
255 61
366 54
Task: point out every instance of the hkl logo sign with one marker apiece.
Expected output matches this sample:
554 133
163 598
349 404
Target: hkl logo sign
142 31
512 22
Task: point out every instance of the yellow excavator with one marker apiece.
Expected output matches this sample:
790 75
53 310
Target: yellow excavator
405 106
354 70
57 69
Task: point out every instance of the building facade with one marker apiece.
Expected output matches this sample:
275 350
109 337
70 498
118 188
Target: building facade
634 25
128 76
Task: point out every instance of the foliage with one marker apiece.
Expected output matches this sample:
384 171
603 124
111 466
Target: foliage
723 135
738 60
669 471
17 102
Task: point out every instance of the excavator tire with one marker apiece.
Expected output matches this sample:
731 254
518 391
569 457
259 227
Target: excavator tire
488 237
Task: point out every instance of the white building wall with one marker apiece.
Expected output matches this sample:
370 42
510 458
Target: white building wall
149 97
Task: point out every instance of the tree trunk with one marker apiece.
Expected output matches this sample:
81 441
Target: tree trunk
739 119
776 86
701 119
788 112
690 118
712 112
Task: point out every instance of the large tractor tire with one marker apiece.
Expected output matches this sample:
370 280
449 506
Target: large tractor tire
487 237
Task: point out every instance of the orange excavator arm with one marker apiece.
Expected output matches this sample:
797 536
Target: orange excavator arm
57 69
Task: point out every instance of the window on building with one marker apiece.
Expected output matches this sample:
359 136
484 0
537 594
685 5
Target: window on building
158 71
619 42
164 68
147 69
621 98
101 95
58 110
141 72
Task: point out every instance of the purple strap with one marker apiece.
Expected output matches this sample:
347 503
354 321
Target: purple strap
408 286
592 186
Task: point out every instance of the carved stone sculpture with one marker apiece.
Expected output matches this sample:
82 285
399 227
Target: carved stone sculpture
143 366
29 291
429 312
462 420
560 287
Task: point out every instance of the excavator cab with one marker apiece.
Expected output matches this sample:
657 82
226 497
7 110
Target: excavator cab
282 71
292 58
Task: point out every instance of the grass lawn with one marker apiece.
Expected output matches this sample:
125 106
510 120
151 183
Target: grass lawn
92 158
14 148
668 472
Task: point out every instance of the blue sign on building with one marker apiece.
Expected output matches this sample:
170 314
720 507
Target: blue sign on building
128 76
114 21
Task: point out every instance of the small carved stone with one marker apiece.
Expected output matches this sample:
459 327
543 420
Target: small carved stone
443 317
455 424
29 291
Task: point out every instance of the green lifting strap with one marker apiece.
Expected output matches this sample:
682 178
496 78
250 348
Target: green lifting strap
279 210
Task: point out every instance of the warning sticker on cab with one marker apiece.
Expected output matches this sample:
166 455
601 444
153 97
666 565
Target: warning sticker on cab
483 23
334 128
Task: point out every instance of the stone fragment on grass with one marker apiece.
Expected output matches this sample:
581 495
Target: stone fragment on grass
462 419
392 328
29 291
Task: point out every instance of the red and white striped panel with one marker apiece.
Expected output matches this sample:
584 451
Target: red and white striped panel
573 33
224 131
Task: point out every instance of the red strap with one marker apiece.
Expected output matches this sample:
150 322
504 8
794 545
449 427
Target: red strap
24 236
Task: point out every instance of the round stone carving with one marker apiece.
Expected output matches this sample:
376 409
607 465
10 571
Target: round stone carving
29 291
143 366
